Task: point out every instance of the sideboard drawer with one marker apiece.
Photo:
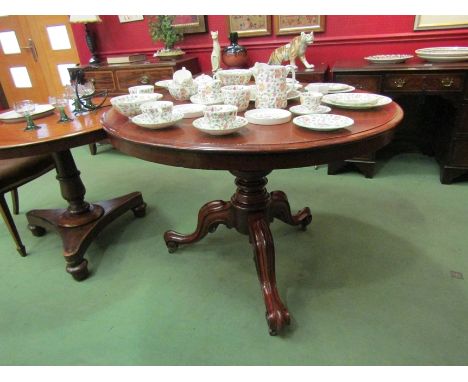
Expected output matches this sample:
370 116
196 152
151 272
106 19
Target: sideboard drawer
370 83
444 82
126 78
403 82
102 80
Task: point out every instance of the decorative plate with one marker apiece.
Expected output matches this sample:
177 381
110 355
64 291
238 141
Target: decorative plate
448 51
302 110
356 100
203 125
388 58
163 84
196 99
333 87
190 110
268 116
40 111
443 58
144 120
323 122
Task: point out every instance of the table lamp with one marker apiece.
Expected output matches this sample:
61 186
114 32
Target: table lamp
87 19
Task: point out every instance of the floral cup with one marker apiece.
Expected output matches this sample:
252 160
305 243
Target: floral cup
182 92
220 117
234 76
160 111
238 95
311 100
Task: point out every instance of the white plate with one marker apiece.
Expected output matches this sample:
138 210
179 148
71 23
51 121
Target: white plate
13 117
302 110
444 51
332 86
202 124
388 58
190 110
196 99
163 84
143 120
323 122
442 58
268 116
339 100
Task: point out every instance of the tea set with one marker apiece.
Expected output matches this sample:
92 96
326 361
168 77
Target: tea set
216 100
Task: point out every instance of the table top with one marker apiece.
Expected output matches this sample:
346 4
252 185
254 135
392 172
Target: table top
254 147
52 136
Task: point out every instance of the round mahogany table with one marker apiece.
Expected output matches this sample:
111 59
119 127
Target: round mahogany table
250 155
80 222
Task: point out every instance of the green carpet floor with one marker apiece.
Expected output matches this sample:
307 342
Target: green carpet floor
369 282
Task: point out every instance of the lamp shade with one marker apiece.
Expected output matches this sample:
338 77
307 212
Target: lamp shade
84 19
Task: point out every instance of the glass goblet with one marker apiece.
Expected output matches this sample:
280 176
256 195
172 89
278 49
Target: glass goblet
71 94
59 103
25 108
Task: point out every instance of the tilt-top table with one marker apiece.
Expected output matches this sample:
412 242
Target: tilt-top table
80 222
250 155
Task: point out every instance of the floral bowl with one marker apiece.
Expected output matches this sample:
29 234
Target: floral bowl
182 92
234 76
130 104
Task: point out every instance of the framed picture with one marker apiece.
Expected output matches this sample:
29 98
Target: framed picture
297 24
190 23
247 26
129 18
425 22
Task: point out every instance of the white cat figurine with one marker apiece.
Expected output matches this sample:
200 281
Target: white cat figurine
216 53
295 49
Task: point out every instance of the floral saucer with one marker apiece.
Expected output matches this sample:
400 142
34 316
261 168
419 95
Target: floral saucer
203 125
323 122
190 110
144 120
302 110
196 99
268 116
356 100
333 87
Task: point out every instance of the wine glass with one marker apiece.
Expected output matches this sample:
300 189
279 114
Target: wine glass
59 103
25 108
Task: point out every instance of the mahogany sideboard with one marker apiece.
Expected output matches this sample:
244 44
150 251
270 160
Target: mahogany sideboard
437 100
117 78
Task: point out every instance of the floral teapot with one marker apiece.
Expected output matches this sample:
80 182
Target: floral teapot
271 85
208 88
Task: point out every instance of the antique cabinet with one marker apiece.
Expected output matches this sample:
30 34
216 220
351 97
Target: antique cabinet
317 74
117 78
434 96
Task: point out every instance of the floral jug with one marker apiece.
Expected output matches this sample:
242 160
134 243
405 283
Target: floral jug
271 86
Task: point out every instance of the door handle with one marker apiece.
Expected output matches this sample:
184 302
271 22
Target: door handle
31 46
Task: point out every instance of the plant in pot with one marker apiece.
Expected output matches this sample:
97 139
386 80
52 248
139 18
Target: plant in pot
162 29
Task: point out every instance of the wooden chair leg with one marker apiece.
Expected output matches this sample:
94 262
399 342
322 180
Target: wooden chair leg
8 218
93 148
15 201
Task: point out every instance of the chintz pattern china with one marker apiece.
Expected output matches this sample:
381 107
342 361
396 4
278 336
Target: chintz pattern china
220 116
302 110
203 125
271 85
209 89
318 88
182 92
183 77
158 110
311 100
141 89
388 58
333 87
148 122
130 104
234 76
238 95
190 110
356 100
323 122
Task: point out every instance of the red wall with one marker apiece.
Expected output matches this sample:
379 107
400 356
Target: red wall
345 37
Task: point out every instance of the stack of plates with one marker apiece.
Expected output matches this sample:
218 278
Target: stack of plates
444 54
333 87
356 100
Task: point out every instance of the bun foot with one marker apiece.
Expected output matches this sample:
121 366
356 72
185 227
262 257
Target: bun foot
306 221
139 211
172 246
277 320
36 230
80 271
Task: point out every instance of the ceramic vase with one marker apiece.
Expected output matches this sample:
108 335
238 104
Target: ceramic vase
234 55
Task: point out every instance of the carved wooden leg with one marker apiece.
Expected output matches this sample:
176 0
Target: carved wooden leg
5 212
209 217
277 315
80 222
280 209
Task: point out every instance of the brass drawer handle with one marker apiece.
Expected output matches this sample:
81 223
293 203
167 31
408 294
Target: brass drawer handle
399 82
446 82
144 80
